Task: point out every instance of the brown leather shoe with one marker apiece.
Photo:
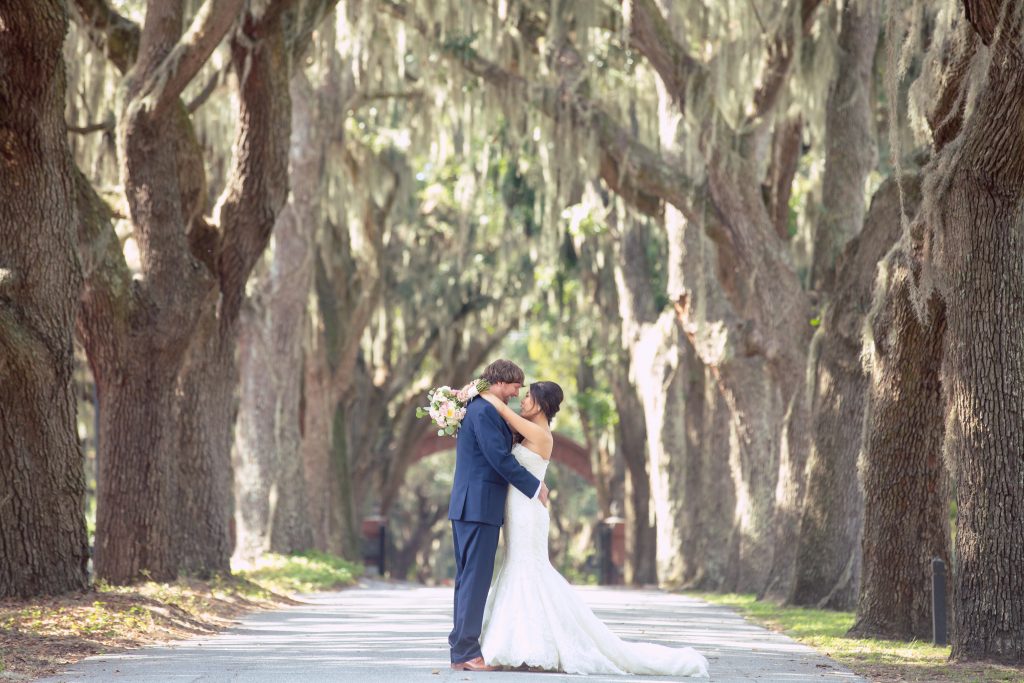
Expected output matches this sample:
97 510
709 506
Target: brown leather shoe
475 664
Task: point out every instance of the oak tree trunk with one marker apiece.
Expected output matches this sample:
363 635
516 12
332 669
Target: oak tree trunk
827 564
901 468
970 254
849 140
692 491
273 510
205 411
982 380
717 529
255 193
43 544
656 369
828 559
975 248
755 410
660 374
631 445
135 525
137 331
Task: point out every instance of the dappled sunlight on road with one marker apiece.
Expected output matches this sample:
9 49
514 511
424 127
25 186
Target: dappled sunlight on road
395 632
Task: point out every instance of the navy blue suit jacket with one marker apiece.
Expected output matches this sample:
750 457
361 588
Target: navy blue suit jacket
485 466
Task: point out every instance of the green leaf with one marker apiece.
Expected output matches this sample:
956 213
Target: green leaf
815 321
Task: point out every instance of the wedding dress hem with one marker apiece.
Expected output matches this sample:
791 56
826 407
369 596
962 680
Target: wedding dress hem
534 617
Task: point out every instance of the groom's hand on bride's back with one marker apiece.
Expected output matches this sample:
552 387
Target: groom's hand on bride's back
543 495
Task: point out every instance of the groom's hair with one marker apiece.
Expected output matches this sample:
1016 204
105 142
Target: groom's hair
503 370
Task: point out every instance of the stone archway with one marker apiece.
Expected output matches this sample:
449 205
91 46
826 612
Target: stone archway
567 452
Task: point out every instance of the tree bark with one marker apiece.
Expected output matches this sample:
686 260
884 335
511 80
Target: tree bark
659 371
204 410
656 369
849 157
631 445
974 250
344 492
346 293
718 530
901 469
43 544
849 140
828 558
744 311
140 333
693 495
325 448
787 143
135 527
700 272
255 193
754 403
272 512
137 331
982 372
135 375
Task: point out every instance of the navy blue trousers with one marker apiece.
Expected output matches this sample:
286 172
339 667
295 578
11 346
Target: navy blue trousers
475 545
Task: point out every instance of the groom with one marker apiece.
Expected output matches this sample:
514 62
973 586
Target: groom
484 468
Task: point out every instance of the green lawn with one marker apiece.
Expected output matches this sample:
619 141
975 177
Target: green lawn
303 573
877 660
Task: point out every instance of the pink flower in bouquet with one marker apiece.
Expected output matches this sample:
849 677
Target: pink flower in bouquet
448 407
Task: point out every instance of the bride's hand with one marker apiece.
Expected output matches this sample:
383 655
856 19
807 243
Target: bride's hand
492 399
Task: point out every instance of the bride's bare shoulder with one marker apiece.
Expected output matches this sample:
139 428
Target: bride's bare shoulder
542 449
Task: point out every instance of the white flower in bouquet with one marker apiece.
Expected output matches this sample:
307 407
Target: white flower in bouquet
448 406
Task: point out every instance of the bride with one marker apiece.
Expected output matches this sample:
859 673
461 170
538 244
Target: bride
533 616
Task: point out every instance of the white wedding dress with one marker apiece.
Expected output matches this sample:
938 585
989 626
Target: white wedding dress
535 617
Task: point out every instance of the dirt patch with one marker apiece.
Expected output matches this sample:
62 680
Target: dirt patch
43 635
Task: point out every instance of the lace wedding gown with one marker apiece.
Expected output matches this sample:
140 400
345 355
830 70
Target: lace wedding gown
535 617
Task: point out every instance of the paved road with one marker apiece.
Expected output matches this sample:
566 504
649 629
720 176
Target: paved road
382 633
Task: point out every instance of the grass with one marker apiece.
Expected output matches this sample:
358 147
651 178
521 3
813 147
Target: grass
877 660
303 573
42 635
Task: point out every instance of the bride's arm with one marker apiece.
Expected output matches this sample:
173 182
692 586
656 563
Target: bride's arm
530 430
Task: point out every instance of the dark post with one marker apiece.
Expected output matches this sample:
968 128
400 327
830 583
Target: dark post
604 549
373 543
938 601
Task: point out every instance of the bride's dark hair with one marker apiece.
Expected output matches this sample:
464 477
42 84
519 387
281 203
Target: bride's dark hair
548 397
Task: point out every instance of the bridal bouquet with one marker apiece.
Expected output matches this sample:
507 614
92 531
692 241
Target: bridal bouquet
448 406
